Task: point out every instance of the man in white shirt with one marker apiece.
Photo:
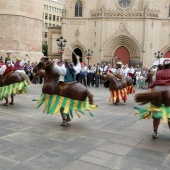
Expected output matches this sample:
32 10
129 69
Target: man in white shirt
62 70
126 70
131 71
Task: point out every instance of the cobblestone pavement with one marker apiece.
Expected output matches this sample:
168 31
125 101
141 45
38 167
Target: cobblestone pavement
113 139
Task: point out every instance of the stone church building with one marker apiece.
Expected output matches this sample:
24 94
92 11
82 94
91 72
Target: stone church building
130 30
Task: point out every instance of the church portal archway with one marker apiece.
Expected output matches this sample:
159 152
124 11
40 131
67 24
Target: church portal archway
125 47
78 52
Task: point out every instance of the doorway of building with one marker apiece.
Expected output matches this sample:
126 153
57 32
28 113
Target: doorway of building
78 52
167 54
122 53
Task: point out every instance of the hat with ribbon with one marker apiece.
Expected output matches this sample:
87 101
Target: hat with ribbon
119 63
18 59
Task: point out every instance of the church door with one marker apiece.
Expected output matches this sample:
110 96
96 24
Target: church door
167 54
123 54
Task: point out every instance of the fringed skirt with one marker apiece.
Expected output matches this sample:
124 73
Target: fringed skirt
53 104
16 88
152 111
118 95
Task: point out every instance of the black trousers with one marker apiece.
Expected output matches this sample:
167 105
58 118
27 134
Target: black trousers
83 79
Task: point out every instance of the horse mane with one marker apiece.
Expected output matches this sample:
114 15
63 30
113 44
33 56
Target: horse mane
111 76
153 97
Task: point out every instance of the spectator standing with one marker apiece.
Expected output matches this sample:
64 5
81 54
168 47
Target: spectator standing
90 75
83 75
149 79
138 73
97 75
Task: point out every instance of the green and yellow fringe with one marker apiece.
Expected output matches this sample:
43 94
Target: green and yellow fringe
152 111
53 104
16 88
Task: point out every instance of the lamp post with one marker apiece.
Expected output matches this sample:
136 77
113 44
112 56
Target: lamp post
88 53
158 55
61 42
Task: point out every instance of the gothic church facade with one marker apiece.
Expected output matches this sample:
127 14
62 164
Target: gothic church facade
130 30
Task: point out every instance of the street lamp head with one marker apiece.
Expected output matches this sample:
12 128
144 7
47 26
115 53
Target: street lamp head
58 40
65 41
61 38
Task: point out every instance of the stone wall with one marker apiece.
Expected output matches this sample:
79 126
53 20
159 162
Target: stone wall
21 28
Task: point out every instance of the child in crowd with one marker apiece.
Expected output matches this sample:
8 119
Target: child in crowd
141 81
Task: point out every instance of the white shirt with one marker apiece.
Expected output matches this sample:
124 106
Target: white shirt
138 74
22 63
2 69
132 70
62 69
126 71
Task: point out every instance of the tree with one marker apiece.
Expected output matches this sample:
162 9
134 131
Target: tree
45 49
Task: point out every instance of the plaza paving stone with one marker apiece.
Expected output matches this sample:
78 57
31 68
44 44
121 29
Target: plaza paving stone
113 139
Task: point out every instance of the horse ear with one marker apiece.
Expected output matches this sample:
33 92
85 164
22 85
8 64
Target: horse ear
45 58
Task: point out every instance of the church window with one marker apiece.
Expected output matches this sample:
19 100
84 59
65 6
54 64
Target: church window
125 3
78 9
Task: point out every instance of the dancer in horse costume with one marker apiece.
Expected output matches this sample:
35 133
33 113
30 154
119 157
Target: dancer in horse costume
11 82
67 96
69 73
158 99
120 86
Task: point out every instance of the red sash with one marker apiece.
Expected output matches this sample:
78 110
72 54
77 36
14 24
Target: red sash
131 75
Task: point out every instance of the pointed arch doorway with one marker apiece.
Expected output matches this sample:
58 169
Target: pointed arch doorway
167 54
123 54
78 52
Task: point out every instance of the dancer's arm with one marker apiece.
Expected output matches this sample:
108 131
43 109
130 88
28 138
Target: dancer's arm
60 69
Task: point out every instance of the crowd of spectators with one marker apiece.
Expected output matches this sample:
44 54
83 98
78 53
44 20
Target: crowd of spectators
91 75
